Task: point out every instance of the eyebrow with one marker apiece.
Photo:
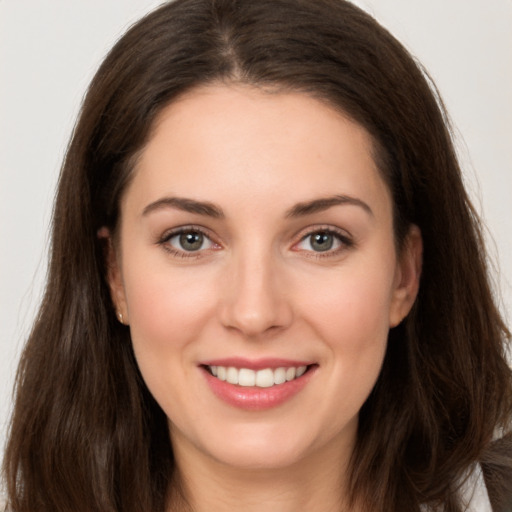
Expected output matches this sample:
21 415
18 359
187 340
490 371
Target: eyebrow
322 204
210 210
186 205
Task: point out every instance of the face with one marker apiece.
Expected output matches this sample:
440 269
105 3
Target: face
256 268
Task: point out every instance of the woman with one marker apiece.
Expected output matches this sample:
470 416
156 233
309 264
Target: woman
267 285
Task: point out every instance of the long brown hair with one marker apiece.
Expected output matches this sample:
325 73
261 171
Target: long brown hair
86 435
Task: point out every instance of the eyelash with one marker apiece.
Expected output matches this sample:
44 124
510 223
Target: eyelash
345 241
343 238
168 235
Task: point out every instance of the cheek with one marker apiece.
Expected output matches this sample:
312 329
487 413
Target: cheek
165 308
351 315
353 306
167 311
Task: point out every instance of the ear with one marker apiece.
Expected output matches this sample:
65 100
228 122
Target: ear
114 275
407 278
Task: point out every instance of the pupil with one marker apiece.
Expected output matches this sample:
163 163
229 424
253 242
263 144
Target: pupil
322 241
191 241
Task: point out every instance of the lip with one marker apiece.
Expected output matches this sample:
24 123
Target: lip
255 398
256 364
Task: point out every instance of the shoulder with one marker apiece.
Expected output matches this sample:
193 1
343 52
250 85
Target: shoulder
474 493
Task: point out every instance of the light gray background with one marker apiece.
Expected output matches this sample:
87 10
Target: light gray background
49 50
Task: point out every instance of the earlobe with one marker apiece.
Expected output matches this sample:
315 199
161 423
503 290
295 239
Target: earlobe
114 276
407 276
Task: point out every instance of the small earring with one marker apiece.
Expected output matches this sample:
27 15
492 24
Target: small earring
120 316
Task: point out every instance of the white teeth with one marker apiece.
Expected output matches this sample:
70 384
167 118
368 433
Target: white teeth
279 375
301 370
232 375
246 377
290 373
262 378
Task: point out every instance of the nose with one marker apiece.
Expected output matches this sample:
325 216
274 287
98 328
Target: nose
255 300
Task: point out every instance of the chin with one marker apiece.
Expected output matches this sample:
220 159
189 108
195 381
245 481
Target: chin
247 456
264 446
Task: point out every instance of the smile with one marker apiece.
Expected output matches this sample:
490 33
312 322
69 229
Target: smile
264 378
257 385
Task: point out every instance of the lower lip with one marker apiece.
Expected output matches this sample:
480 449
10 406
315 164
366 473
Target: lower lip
254 398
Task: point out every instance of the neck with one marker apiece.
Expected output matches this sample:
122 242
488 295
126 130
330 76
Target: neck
318 482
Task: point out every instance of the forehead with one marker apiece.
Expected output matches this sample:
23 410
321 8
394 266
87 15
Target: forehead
219 142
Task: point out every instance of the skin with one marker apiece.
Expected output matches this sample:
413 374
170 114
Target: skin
258 288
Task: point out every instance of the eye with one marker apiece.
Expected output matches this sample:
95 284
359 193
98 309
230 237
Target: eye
323 241
188 240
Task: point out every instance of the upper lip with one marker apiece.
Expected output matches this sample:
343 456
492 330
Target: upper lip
256 364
